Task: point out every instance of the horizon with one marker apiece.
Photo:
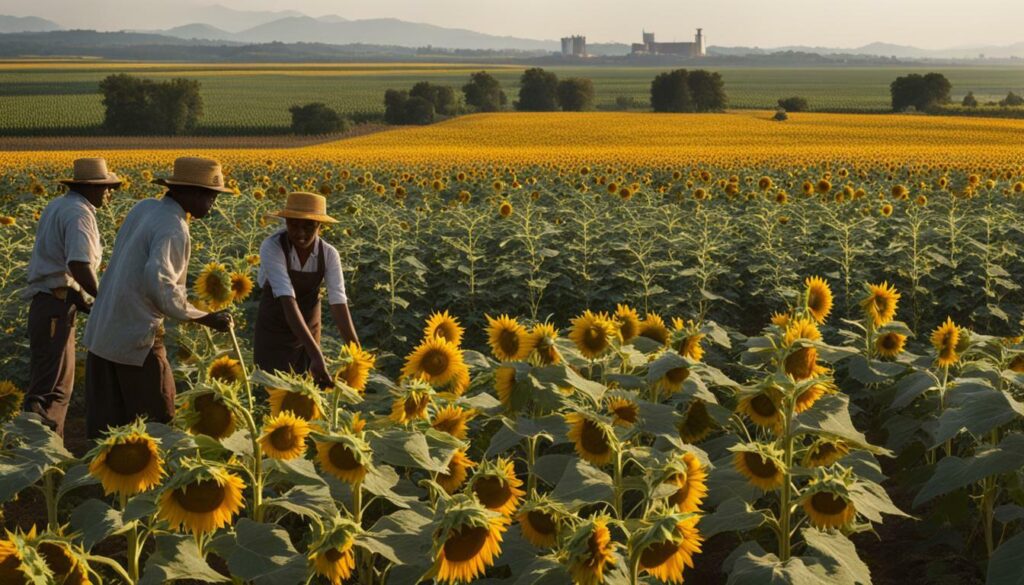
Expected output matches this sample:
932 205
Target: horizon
916 23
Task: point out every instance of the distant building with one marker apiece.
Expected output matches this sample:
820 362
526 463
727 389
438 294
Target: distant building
574 46
649 46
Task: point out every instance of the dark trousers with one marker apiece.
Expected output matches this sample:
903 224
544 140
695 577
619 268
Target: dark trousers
116 394
51 334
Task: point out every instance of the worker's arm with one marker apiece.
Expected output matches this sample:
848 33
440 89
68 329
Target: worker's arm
318 365
343 319
84 276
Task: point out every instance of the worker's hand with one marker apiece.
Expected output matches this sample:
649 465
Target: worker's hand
318 369
218 321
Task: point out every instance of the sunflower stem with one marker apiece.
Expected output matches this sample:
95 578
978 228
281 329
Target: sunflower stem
132 552
357 502
241 363
618 484
116 566
784 500
50 494
531 459
257 457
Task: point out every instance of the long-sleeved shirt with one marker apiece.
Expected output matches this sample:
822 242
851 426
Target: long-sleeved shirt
274 269
66 233
145 282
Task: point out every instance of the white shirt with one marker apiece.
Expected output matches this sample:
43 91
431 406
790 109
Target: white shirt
274 269
66 233
143 284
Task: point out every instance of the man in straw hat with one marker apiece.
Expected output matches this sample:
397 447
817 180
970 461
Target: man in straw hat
65 257
127 372
294 263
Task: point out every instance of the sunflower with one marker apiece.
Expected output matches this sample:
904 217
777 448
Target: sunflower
411 404
945 339
540 521
127 461
457 472
763 408
826 509
335 562
11 562
505 209
508 339
673 379
761 470
496 486
226 369
241 286
356 366
301 404
68 567
543 337
623 411
591 550
666 559
819 298
802 363
653 328
346 457
690 479
444 326
467 545
825 452
686 339
593 440
504 384
453 420
1017 364
808 397
781 319
880 304
205 499
11 399
284 436
213 286
209 415
592 333
435 360
697 422
628 321
890 345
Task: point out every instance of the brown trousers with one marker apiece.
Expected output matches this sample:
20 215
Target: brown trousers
51 335
116 394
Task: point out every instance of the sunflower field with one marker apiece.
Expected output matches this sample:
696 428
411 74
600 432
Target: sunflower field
660 363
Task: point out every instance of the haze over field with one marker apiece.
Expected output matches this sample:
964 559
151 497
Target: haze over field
748 23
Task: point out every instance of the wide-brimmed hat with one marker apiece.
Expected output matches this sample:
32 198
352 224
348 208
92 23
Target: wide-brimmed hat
301 205
192 171
92 171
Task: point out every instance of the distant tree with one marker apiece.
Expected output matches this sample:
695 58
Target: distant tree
969 100
400 108
923 92
483 92
141 106
780 115
625 102
576 94
794 104
707 90
538 91
316 118
1012 99
441 96
670 92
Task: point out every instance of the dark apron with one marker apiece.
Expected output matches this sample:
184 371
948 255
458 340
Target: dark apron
275 347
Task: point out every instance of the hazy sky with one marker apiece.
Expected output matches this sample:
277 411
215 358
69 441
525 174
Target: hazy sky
838 23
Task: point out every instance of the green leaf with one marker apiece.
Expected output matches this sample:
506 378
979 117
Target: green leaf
830 416
306 500
837 556
262 553
562 376
976 407
512 433
407 533
380 481
1004 568
292 471
952 473
732 515
873 371
582 484
753 569
544 571
176 557
15 477
140 506
77 476
95 520
911 387
871 501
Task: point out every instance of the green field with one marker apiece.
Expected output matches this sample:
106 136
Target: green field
49 98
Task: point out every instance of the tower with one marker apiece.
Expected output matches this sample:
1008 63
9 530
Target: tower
649 40
566 46
701 48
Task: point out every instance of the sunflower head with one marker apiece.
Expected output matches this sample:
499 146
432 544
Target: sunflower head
226 369
67 561
505 209
593 334
760 464
543 337
458 470
127 461
689 476
205 411
213 286
890 345
444 326
201 497
332 557
21 562
624 412
540 520
696 423
411 401
824 452
284 436
496 486
297 394
653 328
355 367
466 542
590 550
11 399
801 361
453 420
667 546
628 321
763 407
827 503
808 395
945 340
686 339
818 298
593 438
343 455
508 339
879 305
241 286
435 360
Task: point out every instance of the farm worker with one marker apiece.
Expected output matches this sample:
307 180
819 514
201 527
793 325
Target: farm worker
294 263
127 373
65 257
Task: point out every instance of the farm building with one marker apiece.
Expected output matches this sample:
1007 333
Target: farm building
651 47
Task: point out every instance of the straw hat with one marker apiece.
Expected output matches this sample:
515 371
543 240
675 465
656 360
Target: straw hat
192 171
302 205
92 171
